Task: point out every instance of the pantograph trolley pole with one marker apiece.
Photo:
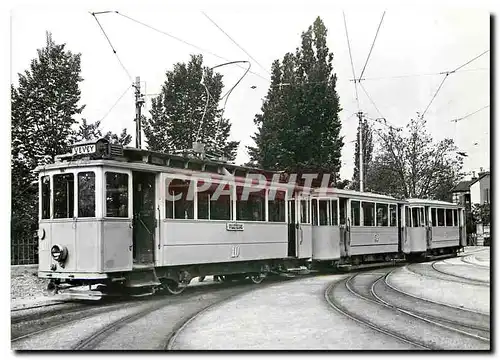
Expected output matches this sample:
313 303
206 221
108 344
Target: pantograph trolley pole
139 101
360 117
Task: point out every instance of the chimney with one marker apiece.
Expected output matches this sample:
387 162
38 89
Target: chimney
474 175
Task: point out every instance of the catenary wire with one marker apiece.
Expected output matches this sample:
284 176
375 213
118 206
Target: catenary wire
116 102
185 42
350 56
234 42
373 44
472 113
371 100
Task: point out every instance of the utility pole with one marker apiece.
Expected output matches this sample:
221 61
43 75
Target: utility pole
139 101
360 117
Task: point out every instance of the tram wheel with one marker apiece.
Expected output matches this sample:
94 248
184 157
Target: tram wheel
173 287
257 278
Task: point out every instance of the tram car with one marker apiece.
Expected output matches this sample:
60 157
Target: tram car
352 228
117 218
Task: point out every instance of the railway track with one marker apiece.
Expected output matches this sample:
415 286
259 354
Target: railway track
368 299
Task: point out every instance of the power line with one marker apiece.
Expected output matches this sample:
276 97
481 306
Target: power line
234 41
468 62
186 43
418 75
435 94
109 41
350 56
472 113
369 97
446 74
373 43
116 102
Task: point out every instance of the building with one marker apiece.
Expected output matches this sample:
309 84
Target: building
474 191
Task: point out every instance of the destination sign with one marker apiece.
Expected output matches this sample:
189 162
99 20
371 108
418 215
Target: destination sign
84 149
234 227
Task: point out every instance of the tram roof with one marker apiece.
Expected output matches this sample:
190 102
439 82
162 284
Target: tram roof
427 202
353 194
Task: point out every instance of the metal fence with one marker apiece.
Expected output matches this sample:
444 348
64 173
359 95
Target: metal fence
24 251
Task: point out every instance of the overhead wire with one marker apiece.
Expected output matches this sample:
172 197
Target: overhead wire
373 44
350 56
371 100
116 102
109 42
472 113
185 42
446 74
417 75
234 42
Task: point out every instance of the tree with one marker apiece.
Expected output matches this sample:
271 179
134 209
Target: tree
177 113
92 131
298 127
413 165
43 107
481 213
367 157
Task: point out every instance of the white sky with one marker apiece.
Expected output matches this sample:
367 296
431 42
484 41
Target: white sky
411 41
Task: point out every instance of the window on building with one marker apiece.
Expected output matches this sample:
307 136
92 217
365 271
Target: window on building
440 217
86 194
324 212
116 194
276 207
45 197
487 196
368 213
355 213
64 192
250 206
382 215
449 217
434 216
334 212
393 215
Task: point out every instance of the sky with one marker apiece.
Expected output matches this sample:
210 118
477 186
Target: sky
411 41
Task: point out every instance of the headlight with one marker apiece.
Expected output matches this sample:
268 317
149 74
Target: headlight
59 253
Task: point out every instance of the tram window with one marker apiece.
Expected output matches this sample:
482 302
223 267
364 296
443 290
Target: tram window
86 194
355 213
368 213
45 197
250 206
408 216
304 212
415 218
455 217
314 204
324 213
393 211
334 213
422 217
440 217
276 207
64 191
382 215
342 211
116 194
215 202
434 218
179 203
449 217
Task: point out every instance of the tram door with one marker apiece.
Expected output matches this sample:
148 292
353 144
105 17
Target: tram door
292 229
144 221
344 227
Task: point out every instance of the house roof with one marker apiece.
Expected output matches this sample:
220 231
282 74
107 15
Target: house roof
464 186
